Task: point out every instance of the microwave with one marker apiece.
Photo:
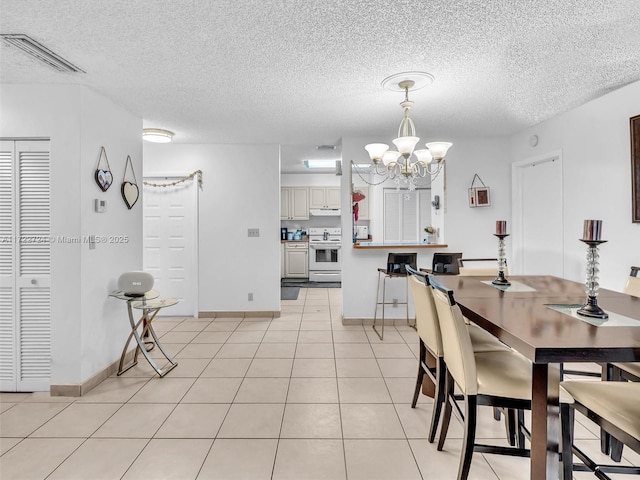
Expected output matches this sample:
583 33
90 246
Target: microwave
362 232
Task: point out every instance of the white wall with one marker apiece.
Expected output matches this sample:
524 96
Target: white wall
595 144
467 230
241 190
88 327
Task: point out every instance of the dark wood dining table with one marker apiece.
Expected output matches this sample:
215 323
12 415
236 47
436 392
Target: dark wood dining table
548 337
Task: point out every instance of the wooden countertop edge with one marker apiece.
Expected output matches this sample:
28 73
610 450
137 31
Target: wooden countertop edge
403 245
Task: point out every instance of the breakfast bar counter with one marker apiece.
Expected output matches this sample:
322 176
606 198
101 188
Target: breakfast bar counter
370 245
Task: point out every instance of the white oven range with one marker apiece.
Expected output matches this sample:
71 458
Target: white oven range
325 254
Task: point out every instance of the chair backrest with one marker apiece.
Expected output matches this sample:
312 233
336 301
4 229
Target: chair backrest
445 263
456 343
479 267
396 262
426 314
633 283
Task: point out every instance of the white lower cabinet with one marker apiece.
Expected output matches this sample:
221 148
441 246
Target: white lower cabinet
282 260
296 263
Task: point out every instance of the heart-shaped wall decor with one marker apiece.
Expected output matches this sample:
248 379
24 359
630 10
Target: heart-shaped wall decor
130 194
104 179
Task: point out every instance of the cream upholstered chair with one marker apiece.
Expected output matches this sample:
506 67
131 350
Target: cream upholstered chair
629 371
614 407
632 287
479 267
498 379
431 345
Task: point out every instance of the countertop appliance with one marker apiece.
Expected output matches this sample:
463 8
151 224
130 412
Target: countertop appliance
283 233
325 254
362 232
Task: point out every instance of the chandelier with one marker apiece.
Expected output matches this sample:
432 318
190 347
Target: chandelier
406 164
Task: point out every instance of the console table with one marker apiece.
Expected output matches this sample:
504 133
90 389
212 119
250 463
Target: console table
150 305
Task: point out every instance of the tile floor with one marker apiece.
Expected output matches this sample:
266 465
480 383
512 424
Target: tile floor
297 397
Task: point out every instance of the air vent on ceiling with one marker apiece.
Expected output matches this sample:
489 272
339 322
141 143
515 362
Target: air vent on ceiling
40 52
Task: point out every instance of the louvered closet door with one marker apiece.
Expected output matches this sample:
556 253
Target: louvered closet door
26 272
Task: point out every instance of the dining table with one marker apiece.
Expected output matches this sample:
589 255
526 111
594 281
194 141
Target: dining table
536 315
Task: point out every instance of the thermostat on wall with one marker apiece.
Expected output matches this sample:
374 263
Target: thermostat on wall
100 205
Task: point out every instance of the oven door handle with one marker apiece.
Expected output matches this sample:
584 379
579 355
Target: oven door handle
325 247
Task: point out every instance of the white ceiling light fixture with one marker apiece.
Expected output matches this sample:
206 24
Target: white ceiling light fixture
398 165
157 135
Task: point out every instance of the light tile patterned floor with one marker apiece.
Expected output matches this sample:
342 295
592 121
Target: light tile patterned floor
297 397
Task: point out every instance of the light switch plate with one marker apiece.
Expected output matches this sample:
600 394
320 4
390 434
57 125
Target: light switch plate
253 232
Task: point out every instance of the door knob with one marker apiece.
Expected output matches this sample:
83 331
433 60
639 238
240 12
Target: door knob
33 281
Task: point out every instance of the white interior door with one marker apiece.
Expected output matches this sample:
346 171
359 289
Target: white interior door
537 216
25 266
170 242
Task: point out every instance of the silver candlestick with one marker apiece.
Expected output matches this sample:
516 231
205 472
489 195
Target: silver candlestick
591 308
502 261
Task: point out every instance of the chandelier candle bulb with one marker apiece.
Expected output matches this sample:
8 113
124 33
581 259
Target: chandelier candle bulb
592 230
501 227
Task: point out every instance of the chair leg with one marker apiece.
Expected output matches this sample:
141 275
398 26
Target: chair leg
446 416
519 432
511 426
439 399
616 449
375 312
416 393
470 420
406 296
566 434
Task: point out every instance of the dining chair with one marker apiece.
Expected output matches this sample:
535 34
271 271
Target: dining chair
396 268
428 330
479 267
497 379
614 407
430 346
622 371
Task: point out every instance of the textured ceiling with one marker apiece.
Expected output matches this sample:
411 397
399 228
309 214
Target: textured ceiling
307 72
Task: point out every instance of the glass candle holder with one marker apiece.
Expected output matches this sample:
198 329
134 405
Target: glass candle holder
502 261
591 308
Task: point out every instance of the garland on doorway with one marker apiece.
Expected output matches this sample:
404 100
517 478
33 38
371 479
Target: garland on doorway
176 182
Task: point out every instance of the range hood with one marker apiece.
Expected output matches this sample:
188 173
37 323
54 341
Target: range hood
324 212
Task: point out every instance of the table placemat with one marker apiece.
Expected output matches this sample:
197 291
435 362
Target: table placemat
614 320
514 287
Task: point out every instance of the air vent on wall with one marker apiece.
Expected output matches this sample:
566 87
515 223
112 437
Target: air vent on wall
40 52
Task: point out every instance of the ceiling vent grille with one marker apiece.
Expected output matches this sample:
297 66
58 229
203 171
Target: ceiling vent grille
40 52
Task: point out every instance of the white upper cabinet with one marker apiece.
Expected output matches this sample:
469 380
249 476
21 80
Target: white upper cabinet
294 203
324 197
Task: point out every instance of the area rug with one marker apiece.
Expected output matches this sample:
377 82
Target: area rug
289 293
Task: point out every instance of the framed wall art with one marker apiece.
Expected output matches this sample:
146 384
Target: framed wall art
102 175
479 196
635 168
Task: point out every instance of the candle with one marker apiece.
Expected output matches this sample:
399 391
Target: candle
592 230
501 227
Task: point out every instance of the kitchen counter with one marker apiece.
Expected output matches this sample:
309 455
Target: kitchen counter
370 245
303 240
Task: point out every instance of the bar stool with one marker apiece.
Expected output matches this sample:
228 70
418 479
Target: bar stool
396 268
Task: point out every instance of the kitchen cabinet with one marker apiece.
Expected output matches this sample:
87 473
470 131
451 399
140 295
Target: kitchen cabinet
296 260
324 197
363 205
294 203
